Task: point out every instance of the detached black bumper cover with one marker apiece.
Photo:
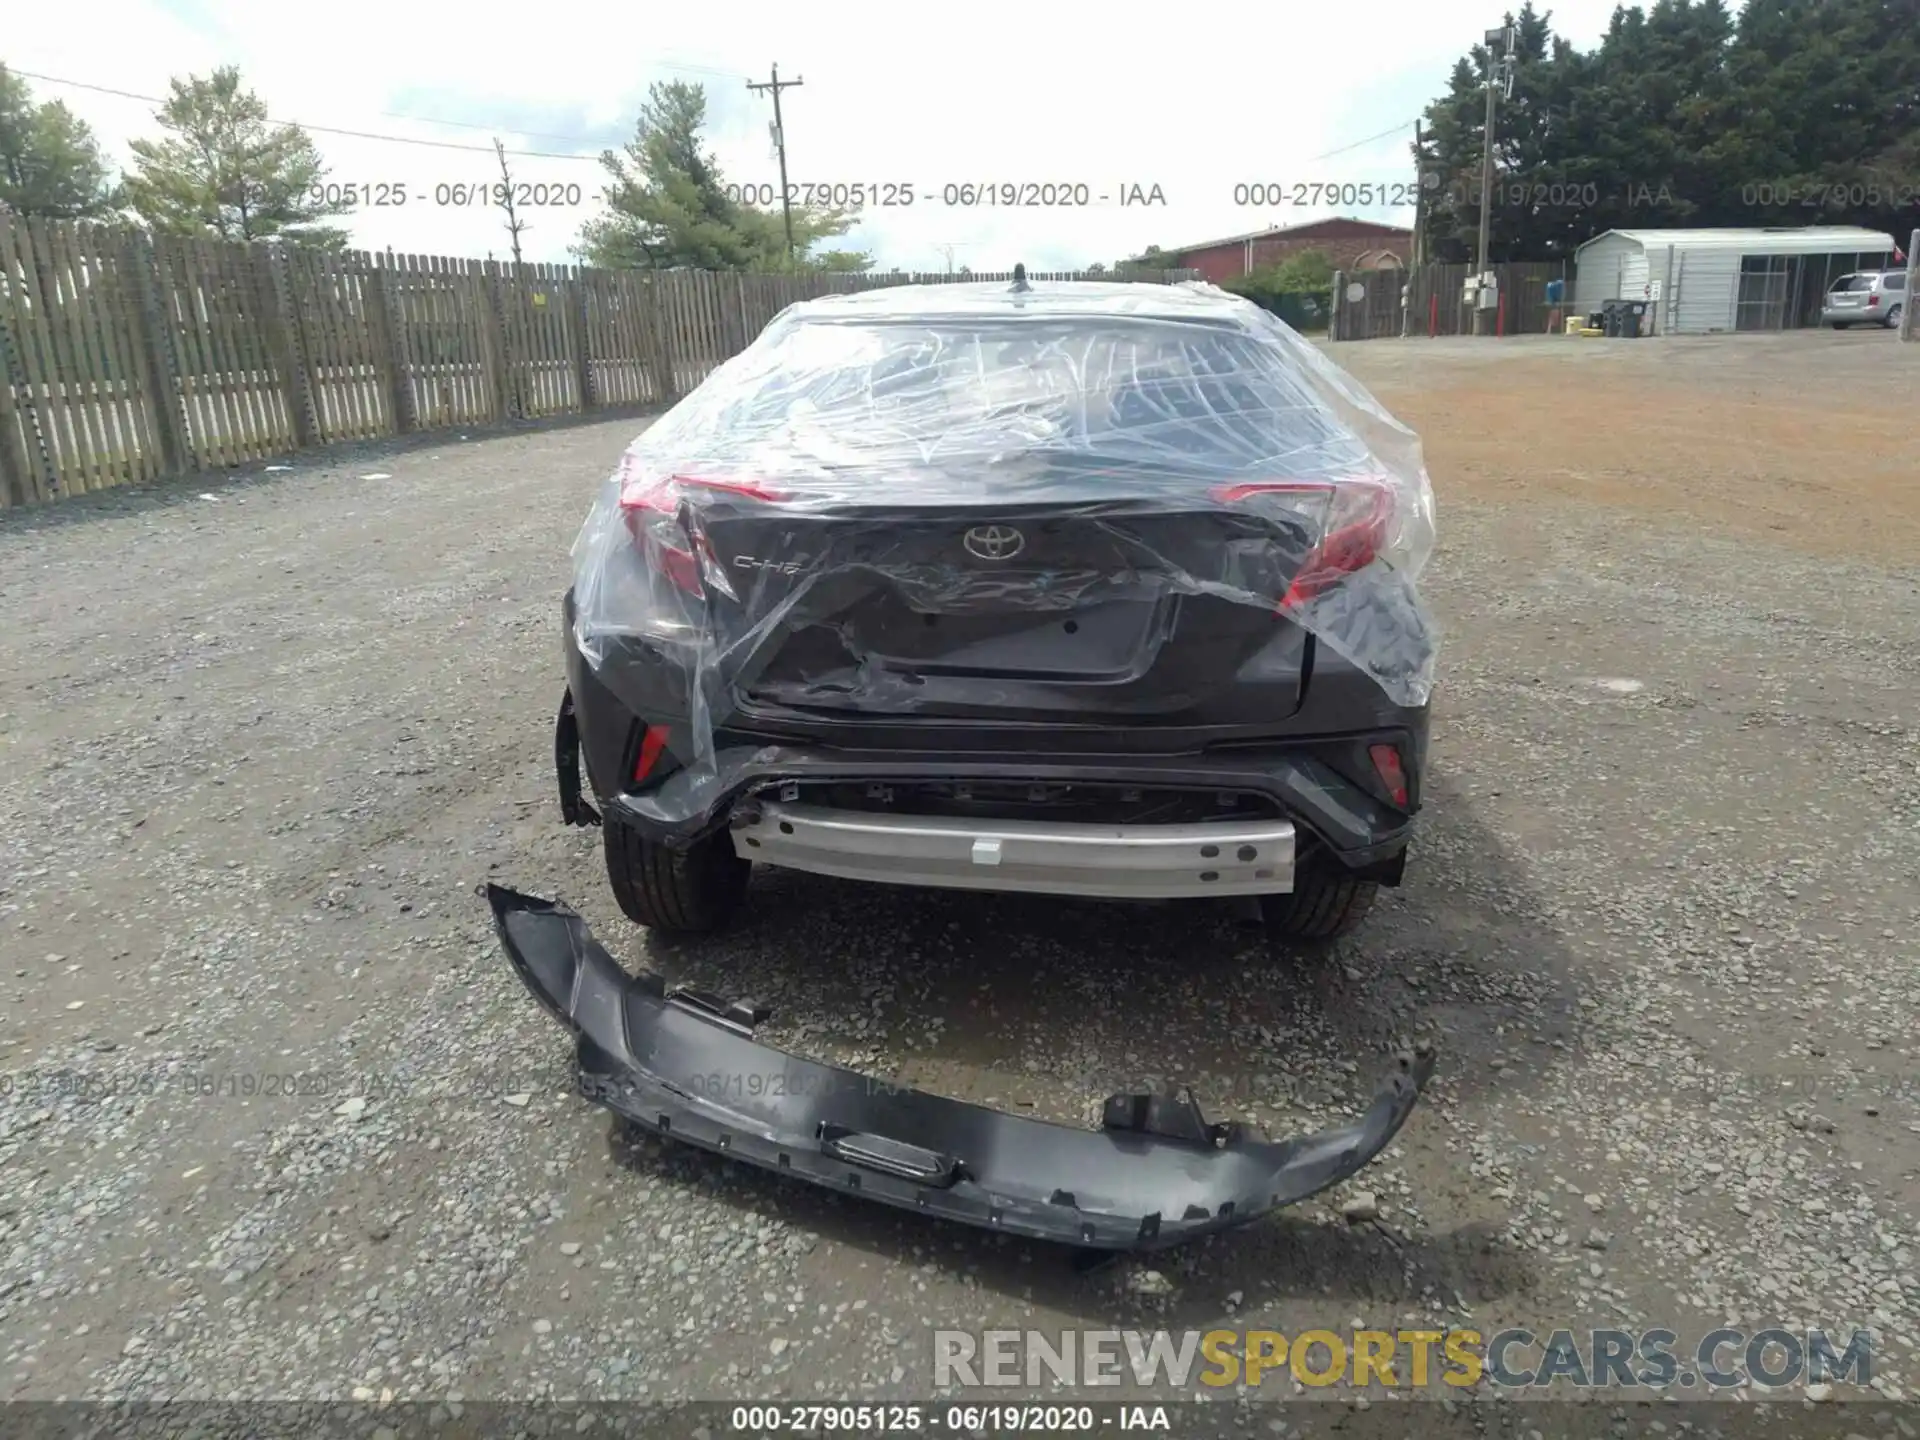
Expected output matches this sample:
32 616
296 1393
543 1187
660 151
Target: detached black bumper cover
685 1064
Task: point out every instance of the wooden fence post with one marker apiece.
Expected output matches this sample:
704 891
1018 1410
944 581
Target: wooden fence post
16 484
162 356
668 361
392 343
285 341
583 348
26 471
380 337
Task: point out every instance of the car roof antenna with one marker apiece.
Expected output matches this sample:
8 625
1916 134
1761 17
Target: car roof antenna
1019 280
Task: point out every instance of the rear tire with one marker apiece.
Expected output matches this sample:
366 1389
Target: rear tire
677 892
1893 318
1325 904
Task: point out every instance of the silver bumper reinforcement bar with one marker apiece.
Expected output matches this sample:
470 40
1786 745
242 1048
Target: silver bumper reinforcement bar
1147 862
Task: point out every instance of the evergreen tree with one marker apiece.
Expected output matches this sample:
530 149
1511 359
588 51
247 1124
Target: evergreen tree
667 204
50 164
225 169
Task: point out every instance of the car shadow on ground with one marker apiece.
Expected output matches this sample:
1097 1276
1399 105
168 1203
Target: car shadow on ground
1049 1005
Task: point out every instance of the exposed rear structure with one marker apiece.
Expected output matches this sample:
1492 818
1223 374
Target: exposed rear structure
1007 585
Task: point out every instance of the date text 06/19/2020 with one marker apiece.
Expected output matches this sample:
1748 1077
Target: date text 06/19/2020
982 194
397 194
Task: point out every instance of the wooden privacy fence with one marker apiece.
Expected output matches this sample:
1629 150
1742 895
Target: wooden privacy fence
127 357
1367 304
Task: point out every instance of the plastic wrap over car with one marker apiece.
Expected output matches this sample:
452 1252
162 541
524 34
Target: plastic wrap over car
1082 444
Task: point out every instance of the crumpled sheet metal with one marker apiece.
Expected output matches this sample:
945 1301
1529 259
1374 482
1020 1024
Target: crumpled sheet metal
685 1065
1090 405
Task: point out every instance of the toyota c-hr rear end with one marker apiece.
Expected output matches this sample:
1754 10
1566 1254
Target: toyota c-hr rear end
1091 590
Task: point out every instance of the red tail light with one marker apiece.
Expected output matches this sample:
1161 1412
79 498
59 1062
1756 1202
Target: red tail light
1872 300
651 505
1386 760
1357 521
651 744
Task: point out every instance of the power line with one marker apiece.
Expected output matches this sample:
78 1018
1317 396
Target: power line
548 134
1393 130
485 128
698 70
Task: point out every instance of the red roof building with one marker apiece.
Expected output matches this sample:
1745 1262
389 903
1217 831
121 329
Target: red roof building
1351 245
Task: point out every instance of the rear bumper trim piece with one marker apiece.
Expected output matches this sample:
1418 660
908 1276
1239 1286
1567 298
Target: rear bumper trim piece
1155 1174
1162 862
574 808
691 804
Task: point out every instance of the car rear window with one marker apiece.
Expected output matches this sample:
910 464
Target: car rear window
1137 389
1849 283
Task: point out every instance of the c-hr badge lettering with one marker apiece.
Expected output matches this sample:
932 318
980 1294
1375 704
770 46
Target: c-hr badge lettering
994 542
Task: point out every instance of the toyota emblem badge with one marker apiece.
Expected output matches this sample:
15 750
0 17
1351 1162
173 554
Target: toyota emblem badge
994 542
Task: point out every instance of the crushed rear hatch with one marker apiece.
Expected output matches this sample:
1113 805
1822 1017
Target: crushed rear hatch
685 1065
1108 611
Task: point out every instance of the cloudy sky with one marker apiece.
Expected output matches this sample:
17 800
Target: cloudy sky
1193 102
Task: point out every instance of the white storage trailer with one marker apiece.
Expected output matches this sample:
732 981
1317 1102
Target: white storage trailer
1702 282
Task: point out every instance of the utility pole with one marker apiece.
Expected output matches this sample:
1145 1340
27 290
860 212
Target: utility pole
1419 196
514 223
1499 73
1419 214
774 87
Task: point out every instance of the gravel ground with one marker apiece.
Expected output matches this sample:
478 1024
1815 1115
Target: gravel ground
277 1121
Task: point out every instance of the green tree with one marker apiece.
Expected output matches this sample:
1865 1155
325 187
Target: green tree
225 169
1303 272
50 164
1150 263
839 262
668 206
1299 289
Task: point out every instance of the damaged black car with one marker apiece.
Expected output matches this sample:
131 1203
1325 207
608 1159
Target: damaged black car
1093 590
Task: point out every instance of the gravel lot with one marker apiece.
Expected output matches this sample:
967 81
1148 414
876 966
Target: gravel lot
260 740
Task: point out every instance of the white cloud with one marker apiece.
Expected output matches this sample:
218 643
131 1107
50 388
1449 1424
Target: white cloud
995 93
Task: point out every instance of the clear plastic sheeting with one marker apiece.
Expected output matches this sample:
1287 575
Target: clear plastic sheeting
887 497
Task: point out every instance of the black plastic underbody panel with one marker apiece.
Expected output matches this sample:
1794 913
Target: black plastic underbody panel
686 1065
